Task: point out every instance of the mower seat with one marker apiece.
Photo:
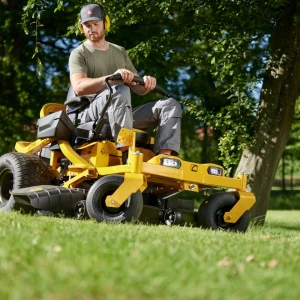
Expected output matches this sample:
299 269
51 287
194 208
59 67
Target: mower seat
75 104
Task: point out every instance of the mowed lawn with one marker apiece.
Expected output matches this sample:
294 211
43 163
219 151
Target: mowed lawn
52 258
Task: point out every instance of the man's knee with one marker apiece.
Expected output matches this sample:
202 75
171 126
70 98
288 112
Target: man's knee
122 95
174 107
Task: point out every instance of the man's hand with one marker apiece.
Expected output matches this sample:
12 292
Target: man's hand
127 76
150 83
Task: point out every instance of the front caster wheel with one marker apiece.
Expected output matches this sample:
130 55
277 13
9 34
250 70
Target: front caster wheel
130 210
212 209
81 211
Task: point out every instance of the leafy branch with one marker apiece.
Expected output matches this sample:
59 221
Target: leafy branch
31 22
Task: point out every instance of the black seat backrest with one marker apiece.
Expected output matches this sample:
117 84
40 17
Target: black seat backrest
75 103
71 94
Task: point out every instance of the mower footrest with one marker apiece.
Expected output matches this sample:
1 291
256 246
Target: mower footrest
50 197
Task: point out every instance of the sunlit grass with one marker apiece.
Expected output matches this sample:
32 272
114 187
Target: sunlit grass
51 258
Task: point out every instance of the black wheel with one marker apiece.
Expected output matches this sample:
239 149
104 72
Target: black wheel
81 211
212 209
130 210
19 170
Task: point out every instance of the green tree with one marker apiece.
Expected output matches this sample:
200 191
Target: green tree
281 83
22 92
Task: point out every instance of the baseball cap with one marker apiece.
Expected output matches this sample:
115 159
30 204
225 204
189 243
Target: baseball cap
91 12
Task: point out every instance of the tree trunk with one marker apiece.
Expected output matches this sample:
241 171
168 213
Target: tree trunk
276 110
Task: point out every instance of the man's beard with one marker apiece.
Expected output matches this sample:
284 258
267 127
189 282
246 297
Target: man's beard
95 37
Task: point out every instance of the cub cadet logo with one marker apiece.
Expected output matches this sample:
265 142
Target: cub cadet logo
194 168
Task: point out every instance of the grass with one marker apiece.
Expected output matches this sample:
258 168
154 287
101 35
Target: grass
51 258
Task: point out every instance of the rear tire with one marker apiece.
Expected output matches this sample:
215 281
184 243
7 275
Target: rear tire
130 210
19 170
212 209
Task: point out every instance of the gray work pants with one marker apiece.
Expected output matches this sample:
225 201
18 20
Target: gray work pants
165 114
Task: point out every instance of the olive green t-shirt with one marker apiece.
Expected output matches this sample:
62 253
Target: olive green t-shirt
97 63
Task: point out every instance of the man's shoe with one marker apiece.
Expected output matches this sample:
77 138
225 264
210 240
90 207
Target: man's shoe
124 157
167 152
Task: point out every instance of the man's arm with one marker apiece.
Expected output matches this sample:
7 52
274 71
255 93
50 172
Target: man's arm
82 85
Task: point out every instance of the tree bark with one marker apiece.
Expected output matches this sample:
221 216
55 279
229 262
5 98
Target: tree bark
276 110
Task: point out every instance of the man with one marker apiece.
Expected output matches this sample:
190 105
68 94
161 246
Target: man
94 60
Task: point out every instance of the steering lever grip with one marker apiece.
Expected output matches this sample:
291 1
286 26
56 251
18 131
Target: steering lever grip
140 81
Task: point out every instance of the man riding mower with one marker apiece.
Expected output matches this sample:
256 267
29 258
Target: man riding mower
79 172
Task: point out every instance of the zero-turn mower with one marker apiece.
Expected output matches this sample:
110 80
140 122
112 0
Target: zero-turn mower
77 171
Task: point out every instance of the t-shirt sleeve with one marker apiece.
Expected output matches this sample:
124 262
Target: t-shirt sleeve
128 63
77 62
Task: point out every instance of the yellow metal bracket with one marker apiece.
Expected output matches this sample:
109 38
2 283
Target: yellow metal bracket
132 183
245 202
31 148
76 159
51 108
72 183
243 177
125 137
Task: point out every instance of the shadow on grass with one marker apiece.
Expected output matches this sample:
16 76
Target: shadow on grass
286 227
